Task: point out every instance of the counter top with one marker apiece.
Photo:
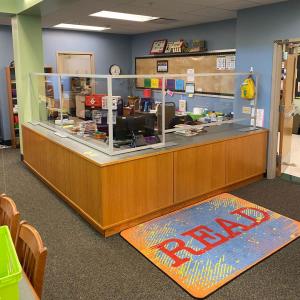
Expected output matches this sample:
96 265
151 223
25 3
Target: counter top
177 142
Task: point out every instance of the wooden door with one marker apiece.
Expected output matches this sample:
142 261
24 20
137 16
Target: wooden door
286 114
75 63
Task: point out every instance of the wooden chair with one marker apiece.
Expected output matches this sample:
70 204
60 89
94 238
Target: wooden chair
32 255
9 215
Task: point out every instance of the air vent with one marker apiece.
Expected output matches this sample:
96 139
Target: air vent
163 21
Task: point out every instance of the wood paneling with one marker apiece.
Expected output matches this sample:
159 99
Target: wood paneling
138 187
198 170
83 185
113 197
246 157
75 177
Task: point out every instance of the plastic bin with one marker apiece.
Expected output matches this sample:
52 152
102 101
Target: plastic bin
10 267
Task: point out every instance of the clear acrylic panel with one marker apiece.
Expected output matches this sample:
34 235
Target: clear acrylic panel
127 113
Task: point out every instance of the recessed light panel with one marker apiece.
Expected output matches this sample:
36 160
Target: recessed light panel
80 27
123 16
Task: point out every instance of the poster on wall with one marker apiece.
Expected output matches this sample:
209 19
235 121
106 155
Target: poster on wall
162 66
230 62
221 63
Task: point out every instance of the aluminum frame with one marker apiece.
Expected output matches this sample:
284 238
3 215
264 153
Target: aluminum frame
110 150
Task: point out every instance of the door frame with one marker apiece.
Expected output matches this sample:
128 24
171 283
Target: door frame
58 66
278 49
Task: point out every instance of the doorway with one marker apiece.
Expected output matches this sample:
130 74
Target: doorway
76 86
285 111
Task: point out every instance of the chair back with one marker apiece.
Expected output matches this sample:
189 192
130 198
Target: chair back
9 215
32 255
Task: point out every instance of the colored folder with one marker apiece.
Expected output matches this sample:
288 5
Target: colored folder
147 83
154 83
170 84
179 85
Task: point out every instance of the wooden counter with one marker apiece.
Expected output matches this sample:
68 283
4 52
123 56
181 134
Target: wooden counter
113 193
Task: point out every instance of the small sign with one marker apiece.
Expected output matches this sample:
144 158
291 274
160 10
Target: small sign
170 93
230 62
190 75
221 62
162 66
182 105
190 88
246 110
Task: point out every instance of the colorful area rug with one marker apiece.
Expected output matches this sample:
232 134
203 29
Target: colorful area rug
204 246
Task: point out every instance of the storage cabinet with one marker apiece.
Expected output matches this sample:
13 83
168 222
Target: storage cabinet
206 168
135 188
245 157
199 170
113 196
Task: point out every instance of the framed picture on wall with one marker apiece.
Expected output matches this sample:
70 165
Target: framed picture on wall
158 47
162 66
169 47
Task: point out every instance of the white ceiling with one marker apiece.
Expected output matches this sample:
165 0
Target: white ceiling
183 12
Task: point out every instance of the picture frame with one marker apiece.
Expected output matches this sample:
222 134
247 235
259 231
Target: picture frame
162 66
158 47
169 47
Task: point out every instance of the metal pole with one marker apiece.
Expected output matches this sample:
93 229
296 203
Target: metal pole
110 116
163 110
255 102
60 98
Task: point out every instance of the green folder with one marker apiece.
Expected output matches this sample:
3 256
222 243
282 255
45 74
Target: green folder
147 83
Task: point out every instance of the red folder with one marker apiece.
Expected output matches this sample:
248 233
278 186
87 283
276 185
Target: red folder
94 100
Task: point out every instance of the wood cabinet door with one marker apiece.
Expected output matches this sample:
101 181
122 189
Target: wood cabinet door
245 157
137 187
198 170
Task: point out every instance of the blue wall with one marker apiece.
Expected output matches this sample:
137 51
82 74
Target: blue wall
257 29
218 35
6 56
108 48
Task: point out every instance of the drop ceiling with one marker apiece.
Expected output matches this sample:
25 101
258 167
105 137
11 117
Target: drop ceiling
174 13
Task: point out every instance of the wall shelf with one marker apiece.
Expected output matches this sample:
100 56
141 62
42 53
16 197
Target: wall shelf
12 100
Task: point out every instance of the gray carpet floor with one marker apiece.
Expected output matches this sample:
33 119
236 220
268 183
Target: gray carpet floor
83 265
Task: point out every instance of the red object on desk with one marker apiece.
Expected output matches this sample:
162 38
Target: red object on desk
94 100
147 93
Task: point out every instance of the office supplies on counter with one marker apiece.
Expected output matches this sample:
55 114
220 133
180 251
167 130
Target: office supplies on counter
94 100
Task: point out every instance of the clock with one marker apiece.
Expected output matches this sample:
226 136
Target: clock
114 70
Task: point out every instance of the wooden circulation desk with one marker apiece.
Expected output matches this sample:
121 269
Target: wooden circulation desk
116 192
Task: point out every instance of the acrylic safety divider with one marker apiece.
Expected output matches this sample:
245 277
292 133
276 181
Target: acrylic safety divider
138 117
108 113
86 107
210 99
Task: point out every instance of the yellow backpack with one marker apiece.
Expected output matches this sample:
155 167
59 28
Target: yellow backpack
248 89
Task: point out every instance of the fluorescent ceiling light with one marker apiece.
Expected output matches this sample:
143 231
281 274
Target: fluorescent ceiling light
122 16
80 27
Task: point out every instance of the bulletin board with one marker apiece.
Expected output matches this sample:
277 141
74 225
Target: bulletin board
214 62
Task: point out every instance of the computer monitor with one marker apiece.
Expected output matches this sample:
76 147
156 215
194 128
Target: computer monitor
128 126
